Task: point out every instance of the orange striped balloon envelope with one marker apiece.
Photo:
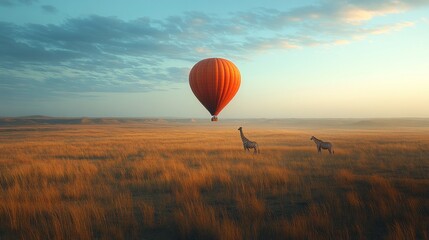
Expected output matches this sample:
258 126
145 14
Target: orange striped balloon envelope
214 81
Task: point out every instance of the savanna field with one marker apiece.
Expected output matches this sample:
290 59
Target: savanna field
186 180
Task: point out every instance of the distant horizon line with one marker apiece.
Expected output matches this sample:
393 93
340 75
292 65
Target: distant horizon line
226 118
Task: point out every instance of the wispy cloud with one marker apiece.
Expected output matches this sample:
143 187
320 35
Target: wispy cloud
9 3
49 9
107 54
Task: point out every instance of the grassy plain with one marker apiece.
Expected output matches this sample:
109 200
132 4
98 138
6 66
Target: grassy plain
184 180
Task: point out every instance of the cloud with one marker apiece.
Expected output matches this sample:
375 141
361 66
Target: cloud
49 9
390 28
8 3
108 54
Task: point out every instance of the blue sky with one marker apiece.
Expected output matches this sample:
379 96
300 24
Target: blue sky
355 58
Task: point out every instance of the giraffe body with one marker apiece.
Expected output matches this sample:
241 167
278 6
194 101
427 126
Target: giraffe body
247 144
322 145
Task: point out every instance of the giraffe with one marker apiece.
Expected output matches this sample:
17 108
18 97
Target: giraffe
247 144
322 145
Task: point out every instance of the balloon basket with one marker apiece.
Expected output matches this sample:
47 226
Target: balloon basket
214 119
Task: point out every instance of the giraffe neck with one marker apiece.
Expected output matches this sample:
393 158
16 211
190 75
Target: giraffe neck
243 138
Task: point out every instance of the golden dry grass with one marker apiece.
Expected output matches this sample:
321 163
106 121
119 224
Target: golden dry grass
193 181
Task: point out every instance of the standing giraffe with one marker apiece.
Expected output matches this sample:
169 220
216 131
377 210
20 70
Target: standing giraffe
247 144
322 145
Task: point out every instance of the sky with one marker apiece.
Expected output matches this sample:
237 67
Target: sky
131 58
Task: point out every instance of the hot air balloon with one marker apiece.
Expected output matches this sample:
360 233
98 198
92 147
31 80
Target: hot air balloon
214 81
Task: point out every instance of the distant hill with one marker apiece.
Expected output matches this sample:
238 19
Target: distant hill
352 122
46 120
368 123
35 116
